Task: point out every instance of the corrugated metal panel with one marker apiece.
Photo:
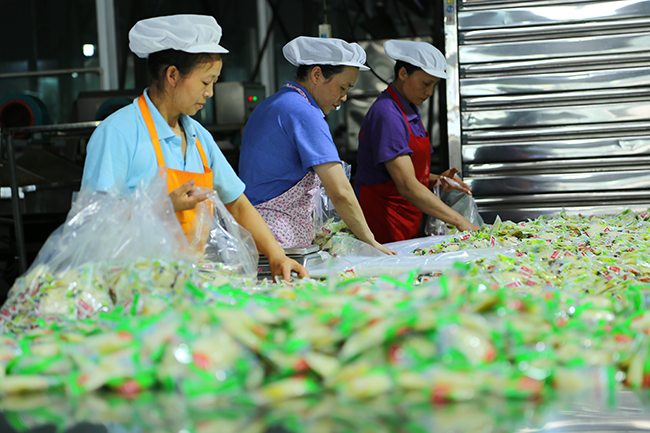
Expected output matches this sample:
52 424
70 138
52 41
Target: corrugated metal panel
548 98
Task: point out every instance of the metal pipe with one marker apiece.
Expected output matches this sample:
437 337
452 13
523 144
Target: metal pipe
15 204
60 127
267 64
453 86
107 43
51 72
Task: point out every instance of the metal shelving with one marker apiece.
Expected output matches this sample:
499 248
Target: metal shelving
8 156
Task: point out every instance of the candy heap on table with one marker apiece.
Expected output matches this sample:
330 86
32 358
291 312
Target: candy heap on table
581 324
574 253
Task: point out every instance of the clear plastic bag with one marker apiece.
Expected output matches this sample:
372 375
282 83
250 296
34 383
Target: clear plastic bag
220 241
347 245
462 203
110 245
324 211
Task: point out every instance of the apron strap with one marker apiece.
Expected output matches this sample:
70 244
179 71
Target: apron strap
393 95
154 135
152 130
202 153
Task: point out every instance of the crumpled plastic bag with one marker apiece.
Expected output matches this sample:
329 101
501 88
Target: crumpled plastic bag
324 212
347 245
221 242
462 203
110 245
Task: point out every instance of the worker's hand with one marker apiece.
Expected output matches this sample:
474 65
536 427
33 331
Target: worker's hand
187 196
282 265
467 226
383 248
448 181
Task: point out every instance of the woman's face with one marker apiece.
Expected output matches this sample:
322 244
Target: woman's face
193 90
418 86
330 93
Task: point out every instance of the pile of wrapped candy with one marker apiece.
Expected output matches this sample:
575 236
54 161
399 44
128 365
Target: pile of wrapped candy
576 253
465 334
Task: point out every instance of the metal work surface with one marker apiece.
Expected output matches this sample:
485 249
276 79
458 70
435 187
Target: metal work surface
549 97
164 412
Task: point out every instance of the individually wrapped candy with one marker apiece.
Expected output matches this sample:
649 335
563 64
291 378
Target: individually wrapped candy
71 273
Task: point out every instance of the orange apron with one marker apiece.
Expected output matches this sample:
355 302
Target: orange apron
176 178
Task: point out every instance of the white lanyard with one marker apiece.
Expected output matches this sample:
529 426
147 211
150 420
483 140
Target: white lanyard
302 92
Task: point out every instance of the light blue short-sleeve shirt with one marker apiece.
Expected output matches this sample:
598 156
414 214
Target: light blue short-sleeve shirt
284 138
121 148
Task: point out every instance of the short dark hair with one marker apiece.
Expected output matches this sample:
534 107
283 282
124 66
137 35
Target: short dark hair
328 70
158 62
409 68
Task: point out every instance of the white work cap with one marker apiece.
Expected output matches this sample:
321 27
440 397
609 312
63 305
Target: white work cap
420 54
189 33
306 50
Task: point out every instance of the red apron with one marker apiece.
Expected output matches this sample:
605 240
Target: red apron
390 216
176 178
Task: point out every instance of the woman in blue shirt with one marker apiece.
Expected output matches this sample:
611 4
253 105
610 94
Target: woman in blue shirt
287 148
184 58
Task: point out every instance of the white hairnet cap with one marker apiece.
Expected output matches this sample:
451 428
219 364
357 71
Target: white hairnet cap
420 54
189 33
306 50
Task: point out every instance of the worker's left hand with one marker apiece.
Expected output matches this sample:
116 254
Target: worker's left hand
448 181
384 249
187 196
284 266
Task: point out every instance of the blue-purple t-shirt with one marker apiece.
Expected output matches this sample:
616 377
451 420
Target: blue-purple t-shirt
384 135
284 138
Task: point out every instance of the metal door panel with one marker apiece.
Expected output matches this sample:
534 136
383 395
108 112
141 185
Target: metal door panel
592 45
620 130
555 116
556 99
551 65
556 31
547 14
555 82
548 103
568 149
563 165
561 182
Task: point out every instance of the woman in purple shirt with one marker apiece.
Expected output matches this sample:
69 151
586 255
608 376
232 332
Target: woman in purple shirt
394 157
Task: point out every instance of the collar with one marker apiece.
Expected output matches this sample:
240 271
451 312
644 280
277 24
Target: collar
310 98
412 112
163 129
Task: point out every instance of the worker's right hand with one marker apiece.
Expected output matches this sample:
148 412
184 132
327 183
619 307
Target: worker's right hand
283 266
383 248
187 196
466 226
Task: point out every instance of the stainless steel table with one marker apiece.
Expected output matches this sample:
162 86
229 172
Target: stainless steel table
627 411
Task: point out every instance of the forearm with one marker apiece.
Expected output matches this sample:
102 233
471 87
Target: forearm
347 206
248 217
422 198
